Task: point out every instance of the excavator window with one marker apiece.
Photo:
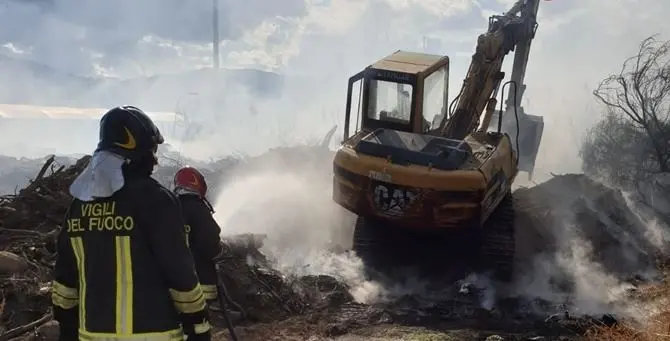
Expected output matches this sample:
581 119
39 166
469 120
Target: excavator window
390 101
435 88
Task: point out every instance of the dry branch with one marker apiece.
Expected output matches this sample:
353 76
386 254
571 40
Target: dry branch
18 331
28 222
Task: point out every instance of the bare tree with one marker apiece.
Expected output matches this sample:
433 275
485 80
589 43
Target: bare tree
641 94
631 145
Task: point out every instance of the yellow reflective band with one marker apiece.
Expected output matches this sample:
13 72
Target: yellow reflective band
65 303
209 291
78 249
124 286
63 296
201 328
171 335
189 302
64 290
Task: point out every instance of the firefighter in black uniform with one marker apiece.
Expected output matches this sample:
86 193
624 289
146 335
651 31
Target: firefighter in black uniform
124 271
203 233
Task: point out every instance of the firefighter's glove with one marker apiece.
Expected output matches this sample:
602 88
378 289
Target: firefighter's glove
68 323
68 334
196 326
199 337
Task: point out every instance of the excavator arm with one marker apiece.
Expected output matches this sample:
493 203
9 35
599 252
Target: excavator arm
521 58
516 28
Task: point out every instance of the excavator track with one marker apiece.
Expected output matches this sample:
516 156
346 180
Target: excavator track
371 244
497 248
491 248
387 249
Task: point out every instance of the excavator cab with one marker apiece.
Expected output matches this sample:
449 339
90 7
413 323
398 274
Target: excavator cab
408 92
405 91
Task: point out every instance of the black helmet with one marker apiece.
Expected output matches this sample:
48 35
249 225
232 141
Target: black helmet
129 132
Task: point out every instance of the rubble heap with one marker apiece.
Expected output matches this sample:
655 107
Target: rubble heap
30 219
266 294
571 206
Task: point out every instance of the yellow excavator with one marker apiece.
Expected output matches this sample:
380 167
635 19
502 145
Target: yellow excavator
419 171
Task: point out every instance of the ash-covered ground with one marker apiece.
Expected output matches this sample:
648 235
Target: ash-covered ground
583 249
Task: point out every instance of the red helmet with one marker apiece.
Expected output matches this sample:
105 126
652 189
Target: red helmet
191 179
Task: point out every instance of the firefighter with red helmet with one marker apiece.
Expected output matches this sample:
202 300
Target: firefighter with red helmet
123 270
203 232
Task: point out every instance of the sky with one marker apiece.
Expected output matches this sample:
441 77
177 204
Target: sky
578 43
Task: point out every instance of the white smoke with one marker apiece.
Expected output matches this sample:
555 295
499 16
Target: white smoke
307 233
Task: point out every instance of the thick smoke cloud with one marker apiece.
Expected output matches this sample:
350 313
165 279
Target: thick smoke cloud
72 35
316 45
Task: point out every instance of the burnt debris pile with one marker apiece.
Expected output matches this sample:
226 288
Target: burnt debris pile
573 209
265 293
550 216
31 219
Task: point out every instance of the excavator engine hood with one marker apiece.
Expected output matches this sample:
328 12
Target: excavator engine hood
369 183
405 148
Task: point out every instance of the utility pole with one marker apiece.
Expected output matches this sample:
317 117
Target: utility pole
215 36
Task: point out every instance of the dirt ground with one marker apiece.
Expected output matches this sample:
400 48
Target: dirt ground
282 306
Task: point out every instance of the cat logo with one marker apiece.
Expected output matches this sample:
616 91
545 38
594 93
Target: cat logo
391 201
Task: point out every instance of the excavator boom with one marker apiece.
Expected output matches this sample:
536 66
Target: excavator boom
516 28
521 56
526 130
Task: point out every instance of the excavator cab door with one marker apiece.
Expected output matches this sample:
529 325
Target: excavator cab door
435 97
530 131
352 119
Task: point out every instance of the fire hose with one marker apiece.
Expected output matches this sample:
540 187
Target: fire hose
225 300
